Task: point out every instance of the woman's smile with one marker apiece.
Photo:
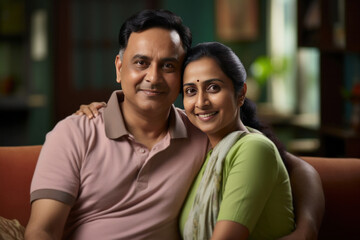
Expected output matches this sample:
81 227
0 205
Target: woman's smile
206 116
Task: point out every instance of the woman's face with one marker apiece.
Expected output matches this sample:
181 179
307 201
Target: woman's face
209 99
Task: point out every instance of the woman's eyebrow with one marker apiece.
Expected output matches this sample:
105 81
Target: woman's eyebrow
188 84
213 80
206 81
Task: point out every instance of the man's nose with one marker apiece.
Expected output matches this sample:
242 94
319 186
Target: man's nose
153 74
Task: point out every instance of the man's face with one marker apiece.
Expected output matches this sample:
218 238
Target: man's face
150 70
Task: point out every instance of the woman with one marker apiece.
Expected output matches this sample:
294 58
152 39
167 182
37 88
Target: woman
243 189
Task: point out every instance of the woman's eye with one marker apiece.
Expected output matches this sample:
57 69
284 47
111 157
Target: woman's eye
189 91
213 88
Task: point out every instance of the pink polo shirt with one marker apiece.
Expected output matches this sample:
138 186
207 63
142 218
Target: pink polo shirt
117 188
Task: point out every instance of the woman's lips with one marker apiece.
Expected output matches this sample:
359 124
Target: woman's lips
206 116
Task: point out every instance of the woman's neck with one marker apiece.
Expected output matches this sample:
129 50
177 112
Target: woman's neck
217 137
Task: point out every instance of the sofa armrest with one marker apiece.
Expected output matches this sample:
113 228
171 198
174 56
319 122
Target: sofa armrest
340 178
17 165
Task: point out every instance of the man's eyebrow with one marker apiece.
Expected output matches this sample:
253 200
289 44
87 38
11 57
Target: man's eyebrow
140 56
144 57
170 59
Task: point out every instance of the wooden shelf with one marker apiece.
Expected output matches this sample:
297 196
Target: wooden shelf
13 102
340 132
331 27
340 142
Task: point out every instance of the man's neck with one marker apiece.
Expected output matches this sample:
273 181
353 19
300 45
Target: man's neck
147 128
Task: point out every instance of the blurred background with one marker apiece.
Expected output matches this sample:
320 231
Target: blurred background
302 59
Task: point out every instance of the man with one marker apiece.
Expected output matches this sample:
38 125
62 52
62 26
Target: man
126 173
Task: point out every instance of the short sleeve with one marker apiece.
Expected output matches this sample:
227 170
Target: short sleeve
250 175
58 168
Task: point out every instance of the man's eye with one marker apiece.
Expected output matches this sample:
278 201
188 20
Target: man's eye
168 67
140 63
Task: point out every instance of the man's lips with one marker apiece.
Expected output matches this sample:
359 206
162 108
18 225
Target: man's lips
152 92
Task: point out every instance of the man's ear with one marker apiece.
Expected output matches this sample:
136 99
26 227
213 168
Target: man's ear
118 64
241 97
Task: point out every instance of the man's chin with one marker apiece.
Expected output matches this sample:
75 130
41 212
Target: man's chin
155 106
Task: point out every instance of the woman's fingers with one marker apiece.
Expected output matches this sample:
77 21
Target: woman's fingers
90 110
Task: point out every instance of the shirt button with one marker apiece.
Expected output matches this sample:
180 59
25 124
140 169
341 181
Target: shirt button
142 150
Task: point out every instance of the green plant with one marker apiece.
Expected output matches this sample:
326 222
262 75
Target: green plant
264 67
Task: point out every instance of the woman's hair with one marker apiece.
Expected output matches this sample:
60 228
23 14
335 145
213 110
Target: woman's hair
249 117
150 18
231 65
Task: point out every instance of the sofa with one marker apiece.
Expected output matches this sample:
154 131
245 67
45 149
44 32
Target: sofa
340 178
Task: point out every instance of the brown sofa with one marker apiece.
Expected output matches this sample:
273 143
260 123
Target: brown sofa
17 166
340 178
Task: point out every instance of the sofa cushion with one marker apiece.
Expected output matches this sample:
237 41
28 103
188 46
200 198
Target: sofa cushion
11 229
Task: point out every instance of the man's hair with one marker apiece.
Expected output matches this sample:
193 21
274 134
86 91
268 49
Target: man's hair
149 18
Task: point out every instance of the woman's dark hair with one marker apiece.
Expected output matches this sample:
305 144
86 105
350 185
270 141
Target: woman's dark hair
231 65
249 117
150 18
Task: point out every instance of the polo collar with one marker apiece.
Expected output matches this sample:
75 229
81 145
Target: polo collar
115 125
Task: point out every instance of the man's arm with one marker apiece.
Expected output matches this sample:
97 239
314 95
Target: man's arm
47 220
309 199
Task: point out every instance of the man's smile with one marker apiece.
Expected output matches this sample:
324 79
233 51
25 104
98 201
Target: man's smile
152 92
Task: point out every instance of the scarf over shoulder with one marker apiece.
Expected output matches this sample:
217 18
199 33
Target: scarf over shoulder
203 214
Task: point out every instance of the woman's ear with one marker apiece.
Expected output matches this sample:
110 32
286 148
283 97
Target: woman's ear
241 96
118 64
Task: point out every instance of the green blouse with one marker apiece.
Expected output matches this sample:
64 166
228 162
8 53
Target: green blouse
255 189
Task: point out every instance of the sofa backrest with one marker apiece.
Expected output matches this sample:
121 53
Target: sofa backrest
340 179
17 165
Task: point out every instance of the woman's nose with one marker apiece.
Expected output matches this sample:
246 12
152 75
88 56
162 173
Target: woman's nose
202 100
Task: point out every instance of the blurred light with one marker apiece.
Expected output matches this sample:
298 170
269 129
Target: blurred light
38 39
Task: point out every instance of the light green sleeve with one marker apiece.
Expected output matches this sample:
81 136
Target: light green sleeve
250 175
